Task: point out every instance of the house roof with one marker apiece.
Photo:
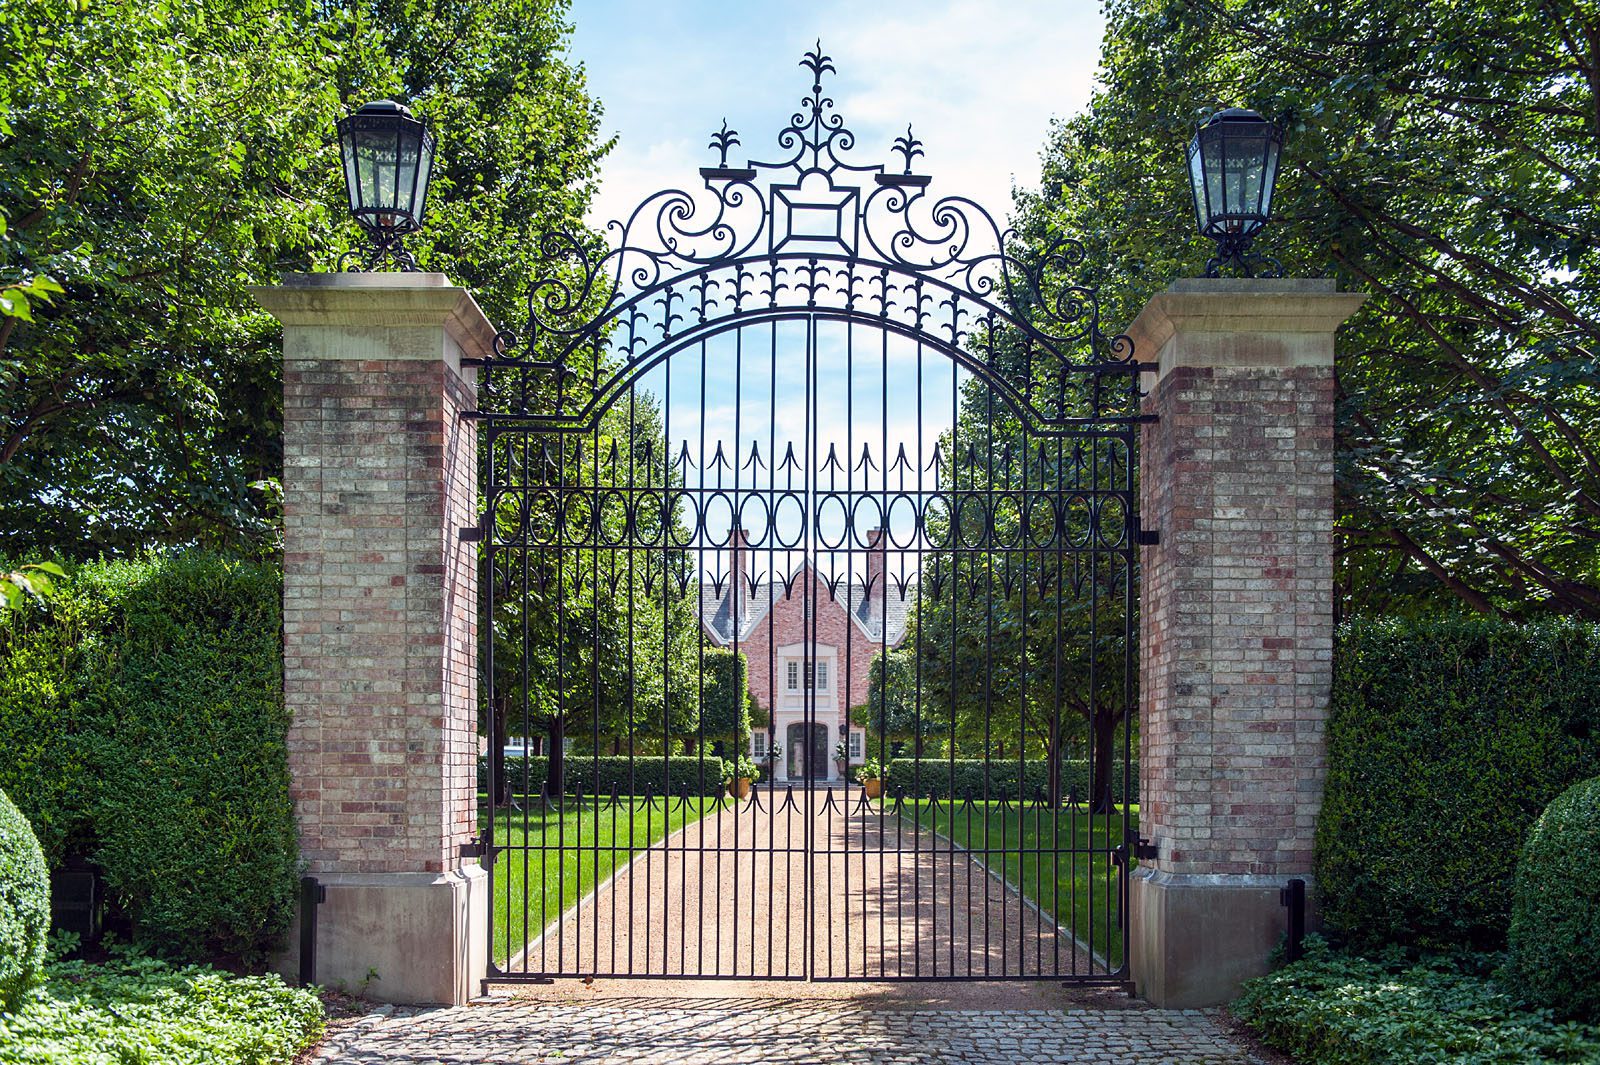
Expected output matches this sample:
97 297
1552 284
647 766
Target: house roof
716 605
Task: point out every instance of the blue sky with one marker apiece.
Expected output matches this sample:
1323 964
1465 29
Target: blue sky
979 81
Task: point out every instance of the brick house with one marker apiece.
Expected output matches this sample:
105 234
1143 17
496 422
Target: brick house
794 656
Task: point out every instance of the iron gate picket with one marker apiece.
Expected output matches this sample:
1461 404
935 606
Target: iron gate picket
813 445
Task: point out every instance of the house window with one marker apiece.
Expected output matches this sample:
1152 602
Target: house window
759 745
855 746
817 675
794 676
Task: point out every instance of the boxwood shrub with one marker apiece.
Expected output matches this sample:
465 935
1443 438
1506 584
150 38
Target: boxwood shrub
142 725
1447 738
1555 912
24 905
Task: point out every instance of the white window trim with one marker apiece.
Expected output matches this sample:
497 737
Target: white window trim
858 744
792 673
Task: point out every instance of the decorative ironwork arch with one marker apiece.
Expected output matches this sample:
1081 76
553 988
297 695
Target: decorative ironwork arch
811 234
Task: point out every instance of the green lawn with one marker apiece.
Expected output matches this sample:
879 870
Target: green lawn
1059 860
532 887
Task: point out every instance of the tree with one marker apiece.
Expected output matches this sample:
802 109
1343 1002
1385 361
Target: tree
1017 643
156 159
1444 158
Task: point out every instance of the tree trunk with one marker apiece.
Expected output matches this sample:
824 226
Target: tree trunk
1052 757
557 763
499 786
1105 739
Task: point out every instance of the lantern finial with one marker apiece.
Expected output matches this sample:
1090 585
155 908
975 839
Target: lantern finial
1233 170
388 160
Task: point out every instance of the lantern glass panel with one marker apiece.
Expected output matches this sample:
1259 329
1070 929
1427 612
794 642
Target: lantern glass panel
419 201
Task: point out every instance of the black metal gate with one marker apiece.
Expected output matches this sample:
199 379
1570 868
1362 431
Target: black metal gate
810 542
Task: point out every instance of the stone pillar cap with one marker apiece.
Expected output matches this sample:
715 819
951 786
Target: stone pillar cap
1288 322
358 299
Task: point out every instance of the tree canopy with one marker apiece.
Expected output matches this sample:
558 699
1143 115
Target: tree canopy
158 158
1444 158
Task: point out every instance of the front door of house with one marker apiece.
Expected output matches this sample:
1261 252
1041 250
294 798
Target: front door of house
808 751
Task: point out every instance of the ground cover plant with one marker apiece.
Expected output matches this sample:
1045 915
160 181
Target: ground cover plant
141 1010
1043 854
587 841
1333 1009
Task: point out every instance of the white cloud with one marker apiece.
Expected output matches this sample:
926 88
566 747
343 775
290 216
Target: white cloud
978 81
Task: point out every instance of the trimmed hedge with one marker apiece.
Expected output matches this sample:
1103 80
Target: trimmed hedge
1446 740
1555 912
24 905
685 773
142 724
937 779
644 775
1331 1009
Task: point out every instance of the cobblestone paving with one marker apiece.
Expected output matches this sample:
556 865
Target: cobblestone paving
734 1031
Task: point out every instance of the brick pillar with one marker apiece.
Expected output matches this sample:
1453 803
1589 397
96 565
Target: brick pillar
1236 608
380 624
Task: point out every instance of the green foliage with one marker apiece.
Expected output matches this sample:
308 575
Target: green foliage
610 775
975 778
158 158
740 768
1446 739
1442 157
24 905
141 1010
1331 1009
725 701
142 723
33 583
872 769
1555 913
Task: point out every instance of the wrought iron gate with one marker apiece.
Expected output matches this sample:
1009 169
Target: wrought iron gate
809 472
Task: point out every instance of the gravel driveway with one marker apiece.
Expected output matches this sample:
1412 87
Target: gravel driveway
725 897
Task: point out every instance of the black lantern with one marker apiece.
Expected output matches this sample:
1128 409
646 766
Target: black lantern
1233 166
388 158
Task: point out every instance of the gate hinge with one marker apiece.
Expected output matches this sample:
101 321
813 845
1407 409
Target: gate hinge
1144 850
473 848
1145 537
472 534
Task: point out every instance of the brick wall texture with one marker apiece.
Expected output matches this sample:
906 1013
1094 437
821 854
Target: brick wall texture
380 612
1237 616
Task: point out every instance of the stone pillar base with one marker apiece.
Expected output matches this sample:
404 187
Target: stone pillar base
1197 936
409 938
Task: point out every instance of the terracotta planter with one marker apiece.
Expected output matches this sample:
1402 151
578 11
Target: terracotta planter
739 788
874 788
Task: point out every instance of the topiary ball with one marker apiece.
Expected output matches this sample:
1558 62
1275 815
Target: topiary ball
1555 908
24 904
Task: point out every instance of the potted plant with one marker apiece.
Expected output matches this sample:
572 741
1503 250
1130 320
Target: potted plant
738 775
871 774
841 756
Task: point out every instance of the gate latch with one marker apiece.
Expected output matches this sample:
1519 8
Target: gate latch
473 848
